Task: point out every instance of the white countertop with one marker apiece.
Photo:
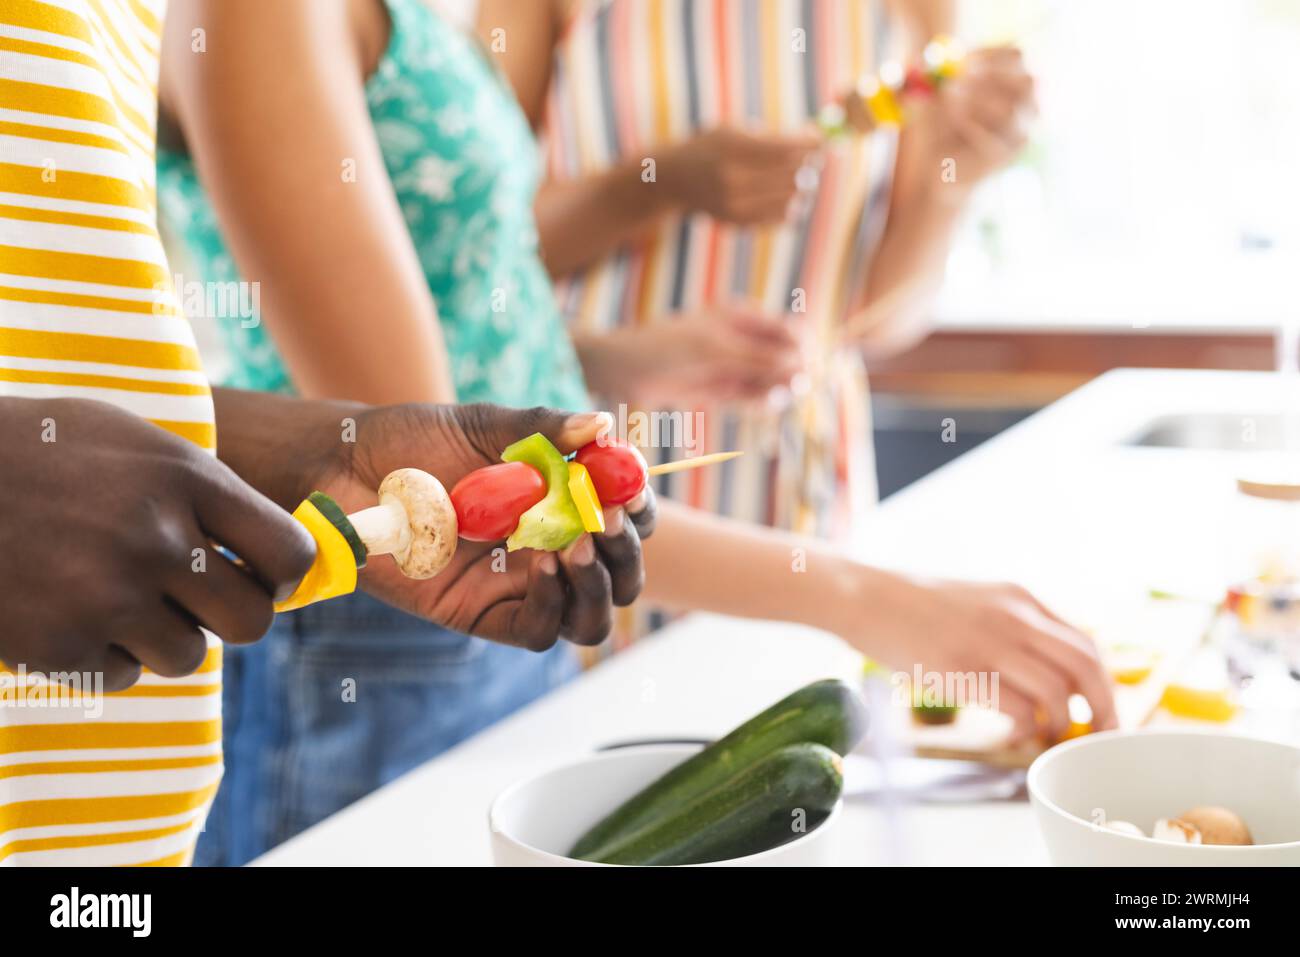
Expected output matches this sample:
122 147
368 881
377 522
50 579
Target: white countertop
1058 503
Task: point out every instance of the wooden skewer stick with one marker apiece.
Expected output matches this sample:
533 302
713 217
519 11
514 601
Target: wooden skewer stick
698 462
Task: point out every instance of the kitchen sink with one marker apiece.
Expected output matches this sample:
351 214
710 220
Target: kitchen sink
1226 432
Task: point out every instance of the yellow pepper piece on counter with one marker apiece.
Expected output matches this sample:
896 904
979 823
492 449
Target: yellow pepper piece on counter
1077 729
1131 676
333 573
1202 704
1129 664
583 492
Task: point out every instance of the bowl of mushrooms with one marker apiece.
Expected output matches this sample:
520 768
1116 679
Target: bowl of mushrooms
1168 799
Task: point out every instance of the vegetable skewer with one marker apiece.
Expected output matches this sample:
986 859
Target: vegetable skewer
878 100
536 497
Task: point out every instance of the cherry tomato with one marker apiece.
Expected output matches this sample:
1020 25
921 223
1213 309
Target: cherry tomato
489 501
617 470
918 82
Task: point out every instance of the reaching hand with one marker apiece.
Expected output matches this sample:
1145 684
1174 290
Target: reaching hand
953 627
723 353
979 120
737 176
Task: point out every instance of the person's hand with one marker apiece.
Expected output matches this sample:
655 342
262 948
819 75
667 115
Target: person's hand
979 120
526 598
951 627
735 175
106 534
723 353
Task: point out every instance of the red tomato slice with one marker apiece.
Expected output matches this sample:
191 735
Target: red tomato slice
489 501
617 470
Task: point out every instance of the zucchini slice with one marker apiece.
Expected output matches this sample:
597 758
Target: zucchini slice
330 509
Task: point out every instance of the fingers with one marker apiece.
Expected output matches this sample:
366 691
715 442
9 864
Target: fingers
65 653
763 183
757 367
762 208
995 59
1022 711
997 94
620 549
1075 654
164 640
575 431
756 327
119 668
790 149
1042 685
588 617
998 116
276 548
491 428
533 622
223 599
762 350
1076 657
643 511
974 132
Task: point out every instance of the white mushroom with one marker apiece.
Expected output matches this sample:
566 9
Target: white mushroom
1218 825
1124 827
1174 831
414 522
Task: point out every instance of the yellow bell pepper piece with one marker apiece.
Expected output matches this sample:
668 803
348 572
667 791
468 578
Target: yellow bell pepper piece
1131 676
1200 703
583 493
943 58
1077 729
883 105
333 573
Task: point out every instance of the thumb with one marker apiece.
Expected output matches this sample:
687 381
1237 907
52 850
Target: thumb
567 431
579 429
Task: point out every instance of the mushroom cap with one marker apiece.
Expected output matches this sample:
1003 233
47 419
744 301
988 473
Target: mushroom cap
430 517
1125 827
1218 825
1176 831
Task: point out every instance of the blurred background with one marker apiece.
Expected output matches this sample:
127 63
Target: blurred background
1155 220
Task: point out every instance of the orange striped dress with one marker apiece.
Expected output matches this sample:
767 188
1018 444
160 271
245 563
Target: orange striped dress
630 75
87 310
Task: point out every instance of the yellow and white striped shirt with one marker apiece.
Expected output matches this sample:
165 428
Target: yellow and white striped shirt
87 310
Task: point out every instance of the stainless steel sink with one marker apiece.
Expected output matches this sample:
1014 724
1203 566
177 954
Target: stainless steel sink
1227 432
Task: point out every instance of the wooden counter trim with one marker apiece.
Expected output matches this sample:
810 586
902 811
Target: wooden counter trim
1033 368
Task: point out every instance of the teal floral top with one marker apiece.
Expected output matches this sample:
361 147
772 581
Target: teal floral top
465 167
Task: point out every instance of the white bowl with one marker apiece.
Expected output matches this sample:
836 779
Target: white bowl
1142 776
535 822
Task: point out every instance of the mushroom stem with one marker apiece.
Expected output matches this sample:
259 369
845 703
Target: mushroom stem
383 529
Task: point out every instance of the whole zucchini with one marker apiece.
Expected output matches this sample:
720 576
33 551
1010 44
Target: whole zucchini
828 712
773 801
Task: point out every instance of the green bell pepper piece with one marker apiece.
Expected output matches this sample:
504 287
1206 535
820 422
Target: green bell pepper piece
554 522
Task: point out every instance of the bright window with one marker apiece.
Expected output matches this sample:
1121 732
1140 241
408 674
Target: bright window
1161 186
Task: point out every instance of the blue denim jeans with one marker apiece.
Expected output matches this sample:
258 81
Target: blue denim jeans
342 697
